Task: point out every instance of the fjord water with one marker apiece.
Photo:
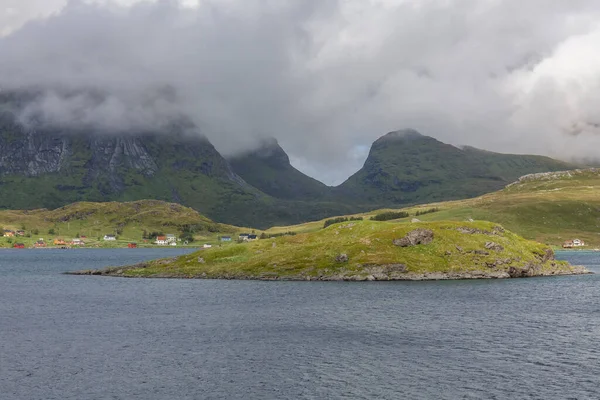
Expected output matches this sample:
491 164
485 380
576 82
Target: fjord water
90 337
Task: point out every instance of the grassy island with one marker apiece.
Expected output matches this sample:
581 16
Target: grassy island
367 250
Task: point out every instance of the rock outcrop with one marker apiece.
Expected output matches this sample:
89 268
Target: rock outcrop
416 237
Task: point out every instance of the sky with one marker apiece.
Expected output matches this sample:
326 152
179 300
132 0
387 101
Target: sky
324 77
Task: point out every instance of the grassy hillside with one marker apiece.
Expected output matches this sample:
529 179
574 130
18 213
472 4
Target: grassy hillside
548 207
364 250
94 220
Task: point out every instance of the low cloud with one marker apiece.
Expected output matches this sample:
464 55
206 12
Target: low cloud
324 77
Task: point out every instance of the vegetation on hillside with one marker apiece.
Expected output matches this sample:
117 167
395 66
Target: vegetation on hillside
389 215
132 221
548 207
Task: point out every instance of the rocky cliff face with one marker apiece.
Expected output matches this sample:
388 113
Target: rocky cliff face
34 152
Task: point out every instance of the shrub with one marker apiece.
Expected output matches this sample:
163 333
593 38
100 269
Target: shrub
334 221
273 235
389 215
429 211
340 219
187 237
153 235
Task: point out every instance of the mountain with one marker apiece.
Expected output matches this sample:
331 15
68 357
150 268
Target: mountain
48 167
45 166
268 169
405 167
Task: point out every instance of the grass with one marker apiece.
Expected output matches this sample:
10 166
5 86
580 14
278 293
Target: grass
94 220
369 247
547 208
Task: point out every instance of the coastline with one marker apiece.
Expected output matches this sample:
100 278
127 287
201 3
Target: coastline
121 272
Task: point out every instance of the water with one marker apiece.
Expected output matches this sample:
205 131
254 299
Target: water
90 337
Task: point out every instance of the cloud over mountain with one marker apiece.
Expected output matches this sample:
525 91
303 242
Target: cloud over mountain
324 77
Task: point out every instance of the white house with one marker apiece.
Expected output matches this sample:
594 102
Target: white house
578 243
207 246
110 237
171 238
161 240
243 236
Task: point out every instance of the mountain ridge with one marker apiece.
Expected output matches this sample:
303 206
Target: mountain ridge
48 167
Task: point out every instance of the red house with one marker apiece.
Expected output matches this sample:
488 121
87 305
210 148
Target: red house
132 245
19 245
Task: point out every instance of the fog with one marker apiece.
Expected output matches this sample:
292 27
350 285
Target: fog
324 77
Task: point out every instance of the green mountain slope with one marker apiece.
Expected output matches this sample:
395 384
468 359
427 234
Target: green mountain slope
268 169
405 167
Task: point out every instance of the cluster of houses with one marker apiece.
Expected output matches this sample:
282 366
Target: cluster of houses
166 240
573 243
11 233
162 240
41 243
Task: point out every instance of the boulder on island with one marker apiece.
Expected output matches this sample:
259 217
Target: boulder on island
413 238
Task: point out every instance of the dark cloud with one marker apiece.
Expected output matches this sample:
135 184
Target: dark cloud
325 77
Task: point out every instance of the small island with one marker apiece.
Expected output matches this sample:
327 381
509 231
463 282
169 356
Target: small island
366 251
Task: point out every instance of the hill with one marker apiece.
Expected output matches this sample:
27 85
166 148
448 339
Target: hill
129 221
367 250
405 167
547 207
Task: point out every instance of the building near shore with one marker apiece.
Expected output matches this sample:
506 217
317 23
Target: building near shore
573 243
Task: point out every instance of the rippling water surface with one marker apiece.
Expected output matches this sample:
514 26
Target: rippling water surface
89 337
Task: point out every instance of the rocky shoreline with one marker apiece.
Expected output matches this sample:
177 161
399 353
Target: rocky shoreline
374 274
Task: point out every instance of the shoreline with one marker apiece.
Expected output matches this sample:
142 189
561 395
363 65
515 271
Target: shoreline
119 272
